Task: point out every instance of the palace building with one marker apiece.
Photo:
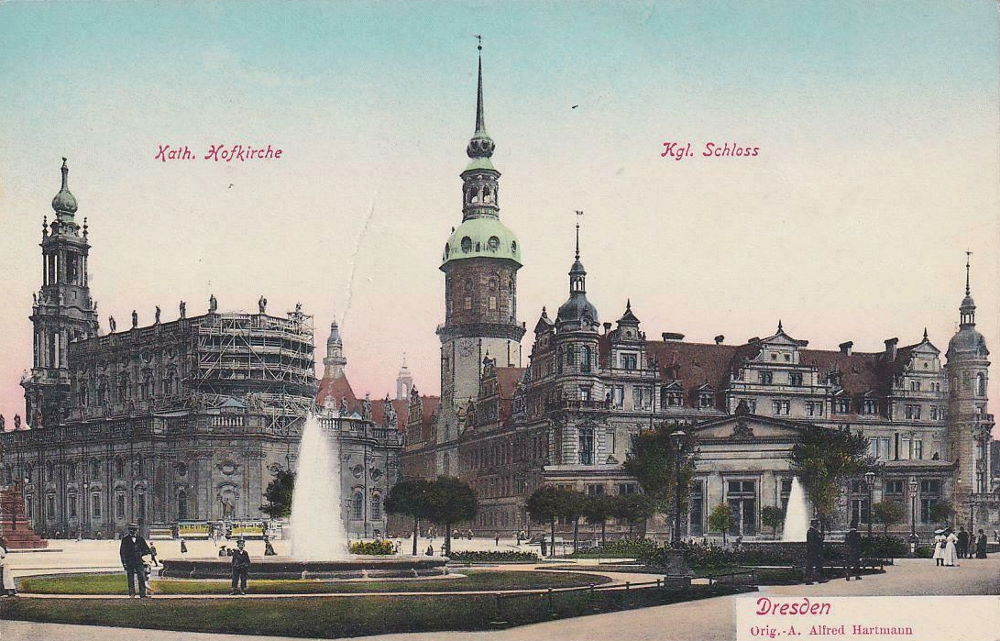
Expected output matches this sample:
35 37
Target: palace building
566 415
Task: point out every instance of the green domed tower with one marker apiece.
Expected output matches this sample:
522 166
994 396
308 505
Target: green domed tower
480 263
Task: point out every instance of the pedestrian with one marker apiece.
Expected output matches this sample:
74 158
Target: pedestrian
147 572
184 547
951 550
544 548
222 551
852 547
814 554
241 568
133 547
152 553
6 576
430 549
940 539
268 548
963 543
497 540
981 544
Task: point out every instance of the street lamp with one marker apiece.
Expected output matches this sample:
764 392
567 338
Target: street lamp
913 516
678 439
870 482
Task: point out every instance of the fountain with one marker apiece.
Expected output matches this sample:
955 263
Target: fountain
319 540
796 514
318 532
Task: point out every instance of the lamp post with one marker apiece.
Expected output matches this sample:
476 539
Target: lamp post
678 439
913 516
870 483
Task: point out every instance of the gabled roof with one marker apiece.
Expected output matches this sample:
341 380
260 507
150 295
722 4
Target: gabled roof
861 371
507 380
335 389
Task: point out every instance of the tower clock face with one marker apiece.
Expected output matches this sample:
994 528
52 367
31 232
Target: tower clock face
467 349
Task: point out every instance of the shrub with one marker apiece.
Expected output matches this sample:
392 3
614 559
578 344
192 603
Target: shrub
494 557
884 547
622 547
374 548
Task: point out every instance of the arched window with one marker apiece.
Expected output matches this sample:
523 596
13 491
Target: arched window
147 385
119 467
585 358
376 513
120 505
980 385
95 468
122 388
357 506
446 464
570 354
182 506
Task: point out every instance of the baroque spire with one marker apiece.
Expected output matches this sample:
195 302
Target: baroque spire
64 202
481 145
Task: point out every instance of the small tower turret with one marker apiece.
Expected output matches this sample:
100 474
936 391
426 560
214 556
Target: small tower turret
334 361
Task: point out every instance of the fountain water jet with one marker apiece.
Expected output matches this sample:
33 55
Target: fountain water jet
796 514
318 532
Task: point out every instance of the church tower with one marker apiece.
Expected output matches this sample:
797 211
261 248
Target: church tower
62 312
480 263
969 424
334 361
404 382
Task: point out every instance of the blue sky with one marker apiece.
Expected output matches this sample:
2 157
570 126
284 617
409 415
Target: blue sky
877 122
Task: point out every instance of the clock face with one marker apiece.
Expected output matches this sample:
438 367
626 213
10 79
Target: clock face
467 349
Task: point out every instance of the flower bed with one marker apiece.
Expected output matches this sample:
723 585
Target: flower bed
510 556
375 548
631 548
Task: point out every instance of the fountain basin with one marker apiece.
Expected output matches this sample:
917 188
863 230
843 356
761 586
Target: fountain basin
278 567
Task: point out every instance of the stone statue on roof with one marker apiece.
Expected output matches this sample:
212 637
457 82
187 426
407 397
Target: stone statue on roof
135 319
343 406
112 324
182 308
391 420
156 314
262 304
366 408
213 304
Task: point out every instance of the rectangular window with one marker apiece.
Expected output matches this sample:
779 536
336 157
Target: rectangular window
72 506
95 505
618 397
914 386
595 490
765 378
120 506
925 509
814 408
584 393
627 488
706 400
642 397
50 506
930 487
586 447
629 361
493 306
468 302
696 510
918 449
894 487
780 408
795 378
869 406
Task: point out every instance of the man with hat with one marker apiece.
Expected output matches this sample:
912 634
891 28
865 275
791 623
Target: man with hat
814 553
131 551
241 568
852 549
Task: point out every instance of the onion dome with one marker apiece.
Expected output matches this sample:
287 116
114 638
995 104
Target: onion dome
967 341
482 238
578 309
64 203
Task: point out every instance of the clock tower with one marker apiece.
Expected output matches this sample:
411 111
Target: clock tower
480 263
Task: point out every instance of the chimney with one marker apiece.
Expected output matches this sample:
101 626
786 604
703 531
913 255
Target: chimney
719 339
672 337
890 347
845 348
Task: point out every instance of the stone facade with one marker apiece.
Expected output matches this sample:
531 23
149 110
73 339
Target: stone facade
569 414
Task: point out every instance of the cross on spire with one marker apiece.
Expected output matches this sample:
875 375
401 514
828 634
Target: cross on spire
968 258
579 214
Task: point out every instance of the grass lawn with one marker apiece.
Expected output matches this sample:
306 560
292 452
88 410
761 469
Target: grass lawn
476 580
340 617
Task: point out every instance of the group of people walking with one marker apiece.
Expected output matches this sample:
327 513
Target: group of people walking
949 546
6 576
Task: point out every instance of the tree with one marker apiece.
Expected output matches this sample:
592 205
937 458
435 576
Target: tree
772 517
451 501
597 510
823 458
279 494
410 498
652 461
888 513
633 508
545 506
573 506
721 520
940 512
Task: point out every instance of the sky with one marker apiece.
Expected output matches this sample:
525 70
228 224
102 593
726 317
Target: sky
877 128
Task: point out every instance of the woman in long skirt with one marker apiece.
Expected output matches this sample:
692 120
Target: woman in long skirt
9 588
951 550
939 543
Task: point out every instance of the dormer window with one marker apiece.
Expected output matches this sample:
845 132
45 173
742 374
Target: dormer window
629 362
706 400
869 406
841 405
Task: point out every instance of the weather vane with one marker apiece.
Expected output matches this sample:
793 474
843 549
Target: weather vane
479 37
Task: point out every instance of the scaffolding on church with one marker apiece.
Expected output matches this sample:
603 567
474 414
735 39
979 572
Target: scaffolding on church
264 359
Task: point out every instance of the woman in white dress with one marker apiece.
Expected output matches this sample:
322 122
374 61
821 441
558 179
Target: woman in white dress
950 550
9 588
939 543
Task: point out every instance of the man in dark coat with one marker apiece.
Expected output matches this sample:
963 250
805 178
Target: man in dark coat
241 568
133 547
963 543
814 554
852 549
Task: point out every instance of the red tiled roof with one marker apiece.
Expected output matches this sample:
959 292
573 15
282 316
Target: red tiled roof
336 389
694 363
400 405
861 371
507 380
